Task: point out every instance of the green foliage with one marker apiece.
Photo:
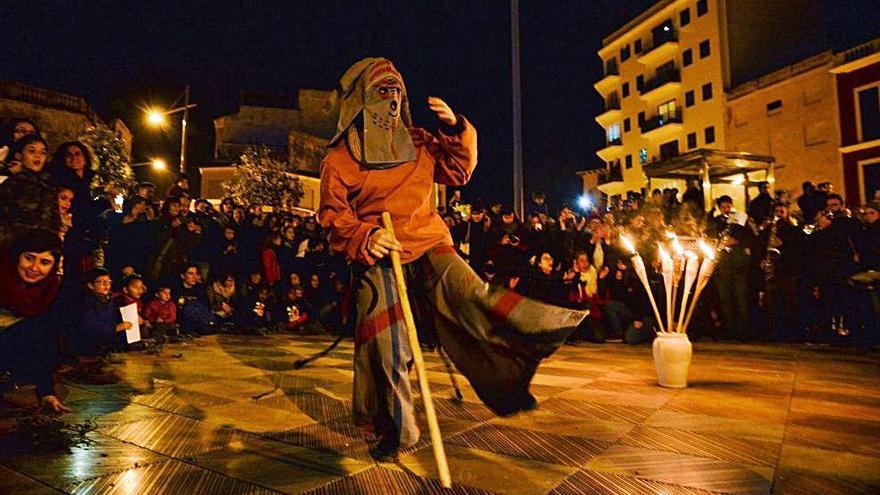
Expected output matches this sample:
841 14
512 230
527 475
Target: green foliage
111 155
262 179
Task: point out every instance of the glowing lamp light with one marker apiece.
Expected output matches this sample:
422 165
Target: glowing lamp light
584 202
738 180
155 117
159 164
708 253
118 201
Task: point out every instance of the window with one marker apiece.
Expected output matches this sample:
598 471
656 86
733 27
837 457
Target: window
624 53
668 150
687 58
637 46
626 125
704 49
709 135
684 18
869 113
641 119
624 90
707 91
666 110
643 156
702 7
611 66
629 161
689 99
640 83
774 106
613 134
692 140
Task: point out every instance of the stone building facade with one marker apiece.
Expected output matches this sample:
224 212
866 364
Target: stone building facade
61 117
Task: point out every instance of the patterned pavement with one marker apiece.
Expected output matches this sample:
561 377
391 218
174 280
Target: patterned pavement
755 419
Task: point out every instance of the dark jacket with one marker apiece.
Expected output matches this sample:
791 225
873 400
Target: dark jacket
27 202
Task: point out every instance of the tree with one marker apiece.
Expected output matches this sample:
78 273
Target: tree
261 179
111 155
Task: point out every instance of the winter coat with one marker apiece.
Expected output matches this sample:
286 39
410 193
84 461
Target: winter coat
27 202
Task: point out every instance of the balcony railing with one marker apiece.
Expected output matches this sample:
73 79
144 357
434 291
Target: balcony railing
660 79
661 120
661 39
614 142
612 103
611 174
611 69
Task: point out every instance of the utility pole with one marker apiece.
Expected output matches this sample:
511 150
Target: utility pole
183 130
517 108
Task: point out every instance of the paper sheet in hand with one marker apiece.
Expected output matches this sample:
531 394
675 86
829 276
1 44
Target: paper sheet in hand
130 314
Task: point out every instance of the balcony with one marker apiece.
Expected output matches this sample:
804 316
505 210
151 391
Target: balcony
611 174
611 113
665 85
610 81
664 47
611 151
662 126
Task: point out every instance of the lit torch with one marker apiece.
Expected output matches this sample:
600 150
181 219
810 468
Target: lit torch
666 268
707 268
639 267
689 277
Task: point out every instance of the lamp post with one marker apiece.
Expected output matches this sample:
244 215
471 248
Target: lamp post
158 164
158 117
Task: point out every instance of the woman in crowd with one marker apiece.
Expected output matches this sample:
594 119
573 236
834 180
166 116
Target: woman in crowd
29 284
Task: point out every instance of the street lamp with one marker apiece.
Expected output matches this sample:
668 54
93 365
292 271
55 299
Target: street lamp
158 117
158 164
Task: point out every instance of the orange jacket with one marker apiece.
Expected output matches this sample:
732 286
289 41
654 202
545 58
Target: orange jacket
353 197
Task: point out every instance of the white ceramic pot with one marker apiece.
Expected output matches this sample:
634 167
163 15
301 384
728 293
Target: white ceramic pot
672 356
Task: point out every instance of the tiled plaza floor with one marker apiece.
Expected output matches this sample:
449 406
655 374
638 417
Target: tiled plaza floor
755 419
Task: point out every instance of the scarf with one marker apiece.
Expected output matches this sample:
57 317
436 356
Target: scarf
22 299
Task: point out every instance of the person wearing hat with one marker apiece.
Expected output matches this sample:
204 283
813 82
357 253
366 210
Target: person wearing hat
379 162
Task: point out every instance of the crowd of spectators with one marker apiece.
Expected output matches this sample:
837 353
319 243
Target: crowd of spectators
73 251
786 273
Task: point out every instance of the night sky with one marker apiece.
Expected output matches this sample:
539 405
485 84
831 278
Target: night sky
121 56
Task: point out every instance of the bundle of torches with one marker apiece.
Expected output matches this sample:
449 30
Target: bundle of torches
681 266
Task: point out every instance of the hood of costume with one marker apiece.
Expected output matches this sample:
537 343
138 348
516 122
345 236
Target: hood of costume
375 123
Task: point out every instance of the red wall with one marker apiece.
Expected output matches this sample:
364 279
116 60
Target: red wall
846 100
851 174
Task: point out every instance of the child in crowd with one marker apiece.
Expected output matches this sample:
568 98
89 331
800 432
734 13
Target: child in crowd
133 288
101 326
255 312
161 313
294 312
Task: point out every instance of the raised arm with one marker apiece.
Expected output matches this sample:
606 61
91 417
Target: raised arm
454 148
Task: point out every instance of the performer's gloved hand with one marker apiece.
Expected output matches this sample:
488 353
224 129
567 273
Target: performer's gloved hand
444 113
380 244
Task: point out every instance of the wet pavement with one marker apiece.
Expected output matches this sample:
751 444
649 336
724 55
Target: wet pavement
229 414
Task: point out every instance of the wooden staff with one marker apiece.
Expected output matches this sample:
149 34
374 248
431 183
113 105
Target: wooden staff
430 414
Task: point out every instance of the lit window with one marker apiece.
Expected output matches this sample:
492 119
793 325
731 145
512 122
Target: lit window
613 133
666 110
643 156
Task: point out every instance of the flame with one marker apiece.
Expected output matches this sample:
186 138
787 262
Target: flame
676 246
663 254
671 235
708 253
691 255
628 244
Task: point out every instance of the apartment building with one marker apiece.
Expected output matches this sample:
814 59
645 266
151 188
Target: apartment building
666 74
790 114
